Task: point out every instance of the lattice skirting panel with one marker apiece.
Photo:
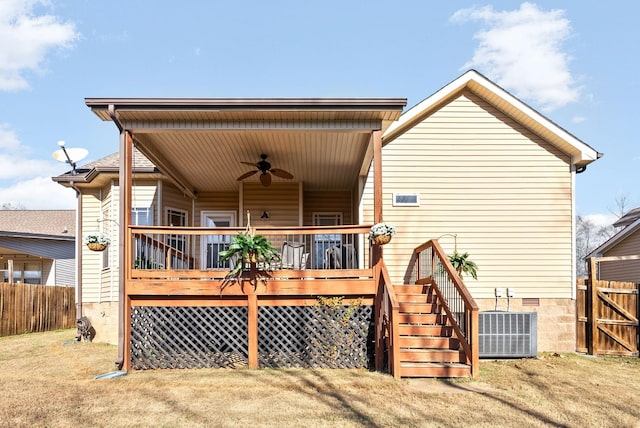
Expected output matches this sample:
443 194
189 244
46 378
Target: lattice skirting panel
315 336
288 336
188 337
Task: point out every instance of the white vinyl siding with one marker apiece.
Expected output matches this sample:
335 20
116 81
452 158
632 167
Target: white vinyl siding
503 191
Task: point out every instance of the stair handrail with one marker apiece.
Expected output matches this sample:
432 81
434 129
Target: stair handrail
387 316
467 333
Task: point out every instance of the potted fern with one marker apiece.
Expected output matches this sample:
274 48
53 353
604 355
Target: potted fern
249 247
462 264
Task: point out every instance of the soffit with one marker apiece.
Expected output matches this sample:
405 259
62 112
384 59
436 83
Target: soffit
322 142
212 160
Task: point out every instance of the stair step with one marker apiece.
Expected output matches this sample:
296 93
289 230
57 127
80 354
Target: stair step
414 298
420 308
425 330
429 342
428 319
412 289
432 356
434 370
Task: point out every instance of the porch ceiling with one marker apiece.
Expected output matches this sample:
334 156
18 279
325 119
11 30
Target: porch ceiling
324 143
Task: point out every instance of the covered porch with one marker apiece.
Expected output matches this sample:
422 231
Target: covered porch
179 308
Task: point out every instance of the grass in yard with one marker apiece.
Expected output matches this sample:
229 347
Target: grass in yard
47 383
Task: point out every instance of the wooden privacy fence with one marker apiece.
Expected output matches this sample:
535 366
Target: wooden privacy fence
607 313
26 308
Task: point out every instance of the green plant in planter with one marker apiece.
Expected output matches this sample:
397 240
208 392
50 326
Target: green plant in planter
462 264
249 247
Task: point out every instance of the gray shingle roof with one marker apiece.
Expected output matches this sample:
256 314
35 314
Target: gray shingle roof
38 223
113 161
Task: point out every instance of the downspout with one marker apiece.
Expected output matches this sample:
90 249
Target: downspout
574 253
78 260
121 301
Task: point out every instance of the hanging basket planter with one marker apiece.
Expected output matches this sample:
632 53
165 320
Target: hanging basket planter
381 233
94 246
97 241
381 239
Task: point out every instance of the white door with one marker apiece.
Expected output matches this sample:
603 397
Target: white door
212 245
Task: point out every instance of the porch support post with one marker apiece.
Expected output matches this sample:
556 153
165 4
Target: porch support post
377 176
377 250
124 248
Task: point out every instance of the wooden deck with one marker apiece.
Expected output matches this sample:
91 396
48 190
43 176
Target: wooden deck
181 315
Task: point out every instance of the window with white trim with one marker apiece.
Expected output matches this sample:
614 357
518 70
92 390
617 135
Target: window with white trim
406 200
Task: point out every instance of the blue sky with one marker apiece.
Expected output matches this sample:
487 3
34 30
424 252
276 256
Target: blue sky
575 62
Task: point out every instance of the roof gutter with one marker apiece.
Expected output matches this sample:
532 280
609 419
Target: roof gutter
114 118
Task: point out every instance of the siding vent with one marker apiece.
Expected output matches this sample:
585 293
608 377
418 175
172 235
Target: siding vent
508 334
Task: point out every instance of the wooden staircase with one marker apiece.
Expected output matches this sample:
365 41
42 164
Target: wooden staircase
427 345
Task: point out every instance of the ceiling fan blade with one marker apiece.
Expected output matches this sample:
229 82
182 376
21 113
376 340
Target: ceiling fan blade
265 179
246 174
253 164
281 173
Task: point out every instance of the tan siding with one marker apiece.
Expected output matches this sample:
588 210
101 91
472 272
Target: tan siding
173 198
327 201
502 190
110 225
281 200
144 194
625 270
218 201
91 263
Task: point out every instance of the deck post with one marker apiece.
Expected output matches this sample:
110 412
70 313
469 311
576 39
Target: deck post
252 318
378 315
124 249
377 176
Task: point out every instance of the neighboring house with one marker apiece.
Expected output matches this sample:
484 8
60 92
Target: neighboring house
623 246
471 166
38 246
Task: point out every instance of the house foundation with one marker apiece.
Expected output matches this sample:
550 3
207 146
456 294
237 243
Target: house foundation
556 320
104 319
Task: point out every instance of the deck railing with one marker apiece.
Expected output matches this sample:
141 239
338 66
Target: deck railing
432 266
176 293
387 318
301 248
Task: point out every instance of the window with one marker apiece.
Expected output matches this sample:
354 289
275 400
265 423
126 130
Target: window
107 228
406 200
24 272
177 218
142 216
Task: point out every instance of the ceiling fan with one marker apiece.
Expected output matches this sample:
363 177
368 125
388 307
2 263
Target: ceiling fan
265 169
